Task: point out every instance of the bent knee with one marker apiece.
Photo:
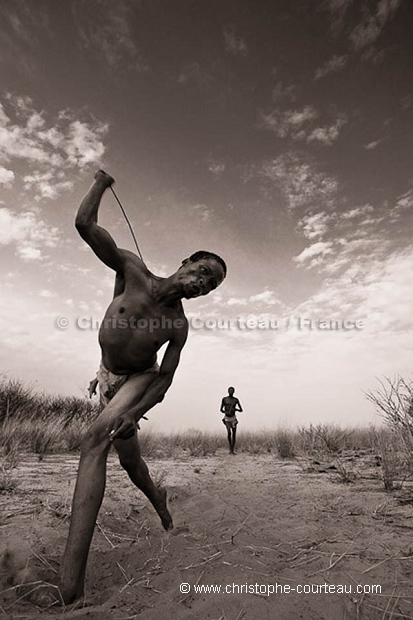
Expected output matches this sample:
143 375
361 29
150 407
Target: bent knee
96 439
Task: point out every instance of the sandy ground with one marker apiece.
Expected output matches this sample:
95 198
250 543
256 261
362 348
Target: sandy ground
247 521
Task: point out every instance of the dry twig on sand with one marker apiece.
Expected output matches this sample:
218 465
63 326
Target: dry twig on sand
335 562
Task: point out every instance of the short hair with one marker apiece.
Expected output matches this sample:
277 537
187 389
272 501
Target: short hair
200 254
231 388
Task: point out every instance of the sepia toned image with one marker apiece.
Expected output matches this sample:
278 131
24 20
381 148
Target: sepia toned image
206 389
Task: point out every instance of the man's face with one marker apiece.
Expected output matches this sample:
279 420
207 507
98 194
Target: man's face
200 277
231 391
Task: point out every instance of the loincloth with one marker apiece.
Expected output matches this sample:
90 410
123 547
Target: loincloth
110 384
230 420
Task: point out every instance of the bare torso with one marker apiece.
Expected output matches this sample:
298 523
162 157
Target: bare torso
136 325
229 404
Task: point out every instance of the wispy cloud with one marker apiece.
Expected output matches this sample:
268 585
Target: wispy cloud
22 28
364 290
338 7
300 125
327 134
343 238
337 10
46 185
372 24
202 211
403 203
369 146
355 212
300 181
263 299
289 122
216 167
267 297
282 92
194 72
314 254
334 65
234 44
107 30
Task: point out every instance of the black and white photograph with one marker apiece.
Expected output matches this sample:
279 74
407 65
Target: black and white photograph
206 309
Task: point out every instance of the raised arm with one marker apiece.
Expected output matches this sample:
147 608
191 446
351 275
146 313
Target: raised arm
97 237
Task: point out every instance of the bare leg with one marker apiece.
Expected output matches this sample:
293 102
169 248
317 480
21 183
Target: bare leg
87 499
234 433
228 425
90 486
137 470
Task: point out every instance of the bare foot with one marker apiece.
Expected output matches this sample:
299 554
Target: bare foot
163 510
103 177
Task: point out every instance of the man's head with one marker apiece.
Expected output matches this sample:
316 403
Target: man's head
201 273
231 391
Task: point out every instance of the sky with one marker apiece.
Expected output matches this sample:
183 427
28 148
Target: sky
277 134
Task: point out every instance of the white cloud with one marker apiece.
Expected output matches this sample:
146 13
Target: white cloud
47 294
28 253
237 301
341 253
328 134
54 147
314 254
378 289
6 177
289 122
29 234
403 203
299 125
84 145
267 297
372 145
356 212
314 225
46 184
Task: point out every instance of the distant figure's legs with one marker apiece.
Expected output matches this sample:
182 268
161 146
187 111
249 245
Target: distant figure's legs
231 433
134 465
234 433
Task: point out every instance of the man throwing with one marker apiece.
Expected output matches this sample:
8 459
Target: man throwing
145 313
229 406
